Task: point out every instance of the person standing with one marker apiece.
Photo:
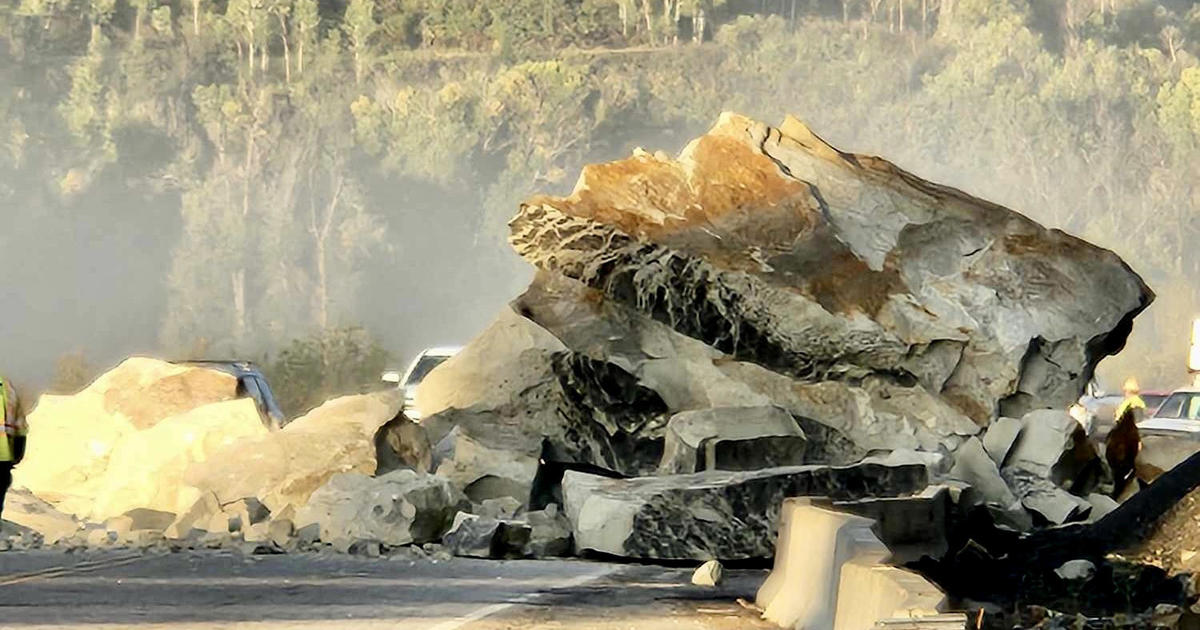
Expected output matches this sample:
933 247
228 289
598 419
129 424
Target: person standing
1123 443
1133 398
12 441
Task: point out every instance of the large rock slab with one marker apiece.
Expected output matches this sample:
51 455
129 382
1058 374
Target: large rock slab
399 508
712 515
591 382
732 438
775 247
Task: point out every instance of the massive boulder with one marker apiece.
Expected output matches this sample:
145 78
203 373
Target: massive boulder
716 514
778 249
763 268
121 442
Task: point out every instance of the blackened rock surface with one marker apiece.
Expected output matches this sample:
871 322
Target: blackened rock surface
716 514
773 246
516 395
482 537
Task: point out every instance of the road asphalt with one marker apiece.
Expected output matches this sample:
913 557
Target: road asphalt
220 589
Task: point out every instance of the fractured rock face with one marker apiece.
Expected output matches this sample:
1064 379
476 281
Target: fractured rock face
284 467
1052 445
778 249
402 443
73 440
483 537
399 508
732 438
712 515
550 534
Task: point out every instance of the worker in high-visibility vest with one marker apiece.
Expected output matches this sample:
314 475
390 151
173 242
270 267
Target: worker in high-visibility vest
1123 442
1132 400
12 440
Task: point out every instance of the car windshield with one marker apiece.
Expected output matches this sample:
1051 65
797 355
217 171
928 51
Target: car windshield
1153 401
424 366
1182 405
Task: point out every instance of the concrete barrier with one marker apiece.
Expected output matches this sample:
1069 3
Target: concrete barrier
829 574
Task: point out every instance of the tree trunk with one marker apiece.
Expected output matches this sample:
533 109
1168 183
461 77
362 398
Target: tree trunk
698 25
196 18
300 52
623 11
246 174
649 20
675 19
322 285
320 229
238 285
287 56
900 13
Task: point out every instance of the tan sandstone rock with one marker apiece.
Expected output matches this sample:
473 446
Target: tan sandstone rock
73 439
285 467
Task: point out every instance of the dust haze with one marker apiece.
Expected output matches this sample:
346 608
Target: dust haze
165 191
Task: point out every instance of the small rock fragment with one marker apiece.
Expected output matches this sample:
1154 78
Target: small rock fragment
1076 570
710 573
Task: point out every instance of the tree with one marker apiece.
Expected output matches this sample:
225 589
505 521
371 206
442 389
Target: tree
360 27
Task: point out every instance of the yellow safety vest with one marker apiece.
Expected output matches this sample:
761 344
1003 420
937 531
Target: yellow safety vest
13 424
1132 402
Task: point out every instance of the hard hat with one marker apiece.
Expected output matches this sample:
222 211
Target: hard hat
1131 385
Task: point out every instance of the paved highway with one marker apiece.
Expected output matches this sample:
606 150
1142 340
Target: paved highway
210 589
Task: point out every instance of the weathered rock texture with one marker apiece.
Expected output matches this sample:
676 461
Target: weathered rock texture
715 514
285 467
398 508
125 441
732 438
776 248
763 268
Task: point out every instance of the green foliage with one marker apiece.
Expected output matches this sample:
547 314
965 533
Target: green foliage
313 369
290 127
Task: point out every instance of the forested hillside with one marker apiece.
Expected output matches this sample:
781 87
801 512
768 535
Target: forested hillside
223 176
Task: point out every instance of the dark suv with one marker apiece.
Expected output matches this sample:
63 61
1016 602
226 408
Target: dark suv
251 384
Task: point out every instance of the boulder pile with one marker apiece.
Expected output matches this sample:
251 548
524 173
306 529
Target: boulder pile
762 317
705 331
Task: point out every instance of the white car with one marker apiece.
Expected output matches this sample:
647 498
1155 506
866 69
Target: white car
1178 415
416 372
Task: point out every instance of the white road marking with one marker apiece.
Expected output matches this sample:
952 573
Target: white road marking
488 611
